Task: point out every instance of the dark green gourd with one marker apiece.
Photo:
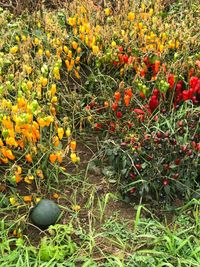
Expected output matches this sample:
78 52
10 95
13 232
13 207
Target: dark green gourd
45 213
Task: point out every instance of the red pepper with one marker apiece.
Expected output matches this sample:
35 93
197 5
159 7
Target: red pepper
125 59
191 72
177 161
133 190
155 118
114 106
112 127
88 107
179 86
198 146
142 73
193 81
139 111
171 80
132 176
119 114
98 126
146 61
153 103
165 182
156 92
138 166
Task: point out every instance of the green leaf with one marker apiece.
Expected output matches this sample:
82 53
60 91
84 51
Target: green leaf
123 171
167 189
108 171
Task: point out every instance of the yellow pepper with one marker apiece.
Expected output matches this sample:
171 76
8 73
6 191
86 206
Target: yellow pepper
73 157
60 133
14 49
68 132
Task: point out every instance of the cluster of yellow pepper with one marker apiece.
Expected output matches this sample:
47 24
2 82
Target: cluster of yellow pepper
140 29
146 25
29 74
59 155
84 30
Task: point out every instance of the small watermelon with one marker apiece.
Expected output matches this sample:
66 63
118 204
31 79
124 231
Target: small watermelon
45 213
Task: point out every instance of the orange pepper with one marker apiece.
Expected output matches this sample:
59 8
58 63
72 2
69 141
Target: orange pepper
56 141
9 154
27 198
3 151
53 111
157 65
73 145
74 45
55 195
117 96
127 100
4 160
76 74
18 178
52 158
106 104
59 157
128 92
20 143
1 142
29 157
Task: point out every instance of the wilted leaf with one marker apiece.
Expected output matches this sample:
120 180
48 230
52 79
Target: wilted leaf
2 188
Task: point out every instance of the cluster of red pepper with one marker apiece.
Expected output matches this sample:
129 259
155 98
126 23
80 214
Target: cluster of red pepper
121 58
155 100
181 94
194 91
148 66
153 66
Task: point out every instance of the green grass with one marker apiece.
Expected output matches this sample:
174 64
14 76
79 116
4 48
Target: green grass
101 235
104 232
